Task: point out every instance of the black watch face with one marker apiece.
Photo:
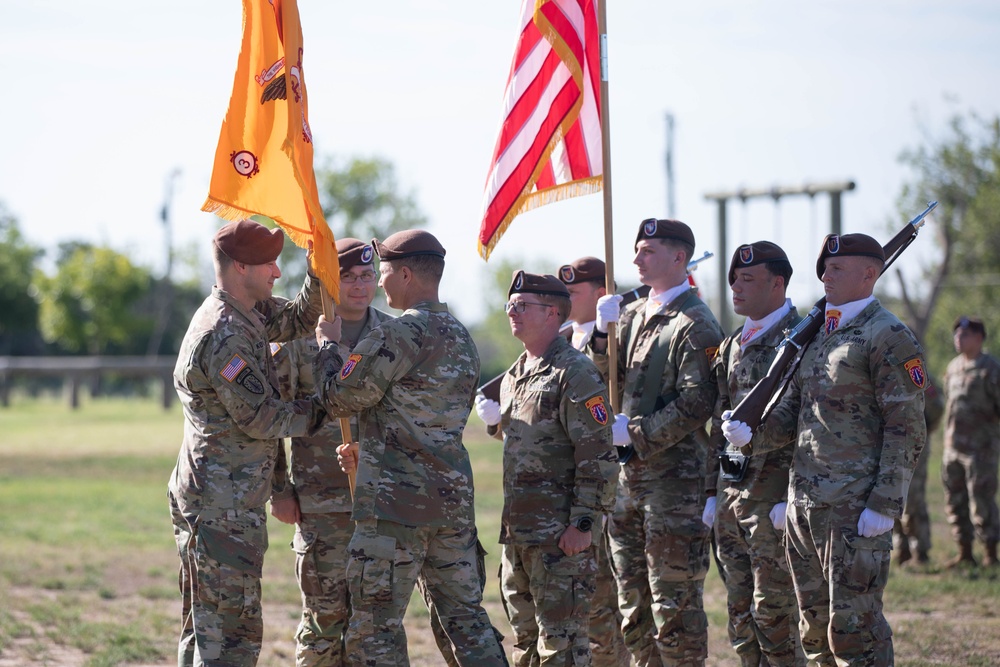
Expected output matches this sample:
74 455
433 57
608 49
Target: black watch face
584 524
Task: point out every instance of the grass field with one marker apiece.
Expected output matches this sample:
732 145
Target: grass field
88 564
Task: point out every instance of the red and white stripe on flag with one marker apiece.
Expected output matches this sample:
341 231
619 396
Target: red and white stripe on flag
549 146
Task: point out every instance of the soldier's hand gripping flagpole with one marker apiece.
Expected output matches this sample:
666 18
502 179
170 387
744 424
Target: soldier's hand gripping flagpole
345 422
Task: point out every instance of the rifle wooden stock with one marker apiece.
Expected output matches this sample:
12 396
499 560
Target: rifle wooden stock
491 389
756 405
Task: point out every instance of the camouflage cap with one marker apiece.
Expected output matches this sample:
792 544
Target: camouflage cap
970 323
408 243
652 228
249 242
583 270
752 254
533 283
848 245
352 252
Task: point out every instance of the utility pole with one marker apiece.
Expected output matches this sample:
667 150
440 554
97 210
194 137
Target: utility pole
835 189
164 292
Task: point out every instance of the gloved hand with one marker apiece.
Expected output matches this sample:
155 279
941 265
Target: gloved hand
778 516
872 524
608 310
708 514
737 433
488 410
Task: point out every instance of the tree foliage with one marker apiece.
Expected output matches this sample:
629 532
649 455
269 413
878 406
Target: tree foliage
18 310
93 303
961 171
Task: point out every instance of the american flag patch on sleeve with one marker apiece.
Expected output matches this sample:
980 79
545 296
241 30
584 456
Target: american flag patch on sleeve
233 368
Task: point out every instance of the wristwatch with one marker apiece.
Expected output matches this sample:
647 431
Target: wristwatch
584 523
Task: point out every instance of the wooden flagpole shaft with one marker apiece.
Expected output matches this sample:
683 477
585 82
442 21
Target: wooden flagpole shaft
609 246
345 422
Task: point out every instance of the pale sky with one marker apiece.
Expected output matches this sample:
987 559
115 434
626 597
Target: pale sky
102 100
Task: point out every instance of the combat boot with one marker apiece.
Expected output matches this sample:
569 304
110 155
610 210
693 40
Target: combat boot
922 557
964 556
990 559
903 553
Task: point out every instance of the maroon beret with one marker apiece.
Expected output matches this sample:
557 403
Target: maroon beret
583 270
848 245
970 323
408 243
249 242
752 254
352 252
675 230
533 283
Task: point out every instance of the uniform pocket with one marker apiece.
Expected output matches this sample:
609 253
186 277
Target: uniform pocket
371 562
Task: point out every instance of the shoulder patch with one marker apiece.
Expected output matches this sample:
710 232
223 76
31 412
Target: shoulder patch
349 366
233 368
252 383
712 352
915 367
598 410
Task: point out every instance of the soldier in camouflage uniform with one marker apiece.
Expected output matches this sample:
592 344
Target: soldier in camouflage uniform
749 519
856 404
659 544
911 533
412 382
560 474
233 419
971 442
321 504
586 280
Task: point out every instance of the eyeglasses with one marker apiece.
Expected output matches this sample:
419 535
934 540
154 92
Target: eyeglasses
519 306
365 277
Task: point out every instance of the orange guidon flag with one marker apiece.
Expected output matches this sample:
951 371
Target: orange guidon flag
264 162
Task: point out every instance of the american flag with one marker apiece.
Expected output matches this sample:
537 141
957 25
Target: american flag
549 146
232 369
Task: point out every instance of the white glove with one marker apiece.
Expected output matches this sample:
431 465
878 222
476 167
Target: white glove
872 524
608 310
778 516
708 514
737 433
488 410
619 431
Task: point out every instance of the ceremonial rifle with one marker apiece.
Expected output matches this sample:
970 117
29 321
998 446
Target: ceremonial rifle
756 405
491 389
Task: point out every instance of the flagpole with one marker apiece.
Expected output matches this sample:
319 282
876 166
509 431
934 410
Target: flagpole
609 246
345 422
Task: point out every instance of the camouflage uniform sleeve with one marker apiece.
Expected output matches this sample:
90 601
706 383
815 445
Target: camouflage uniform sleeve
281 482
696 389
601 359
284 362
899 394
716 440
782 423
245 393
288 320
359 382
585 412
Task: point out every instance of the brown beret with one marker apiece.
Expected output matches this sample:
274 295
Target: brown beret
533 283
249 242
848 245
752 254
582 270
408 243
675 230
970 323
352 252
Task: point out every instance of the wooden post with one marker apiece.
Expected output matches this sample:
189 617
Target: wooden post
345 422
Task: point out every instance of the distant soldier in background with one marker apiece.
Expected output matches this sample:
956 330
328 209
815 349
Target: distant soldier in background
233 419
560 472
911 533
411 381
972 442
749 516
585 279
321 502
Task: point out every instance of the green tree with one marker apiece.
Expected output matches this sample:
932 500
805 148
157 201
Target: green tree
961 171
18 310
94 303
361 198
